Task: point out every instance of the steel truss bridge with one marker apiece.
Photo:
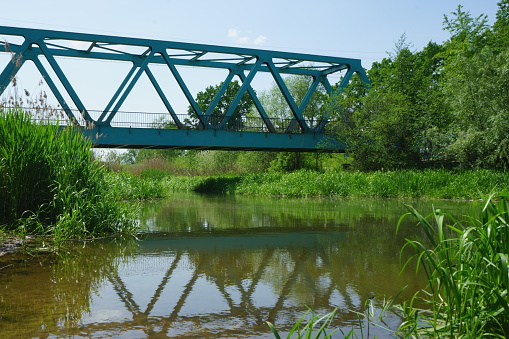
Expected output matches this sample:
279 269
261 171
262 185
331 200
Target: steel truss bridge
110 127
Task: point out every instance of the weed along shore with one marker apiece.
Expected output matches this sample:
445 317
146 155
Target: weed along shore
51 186
423 184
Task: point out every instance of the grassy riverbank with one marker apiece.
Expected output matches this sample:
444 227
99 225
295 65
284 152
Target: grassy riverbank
50 185
436 184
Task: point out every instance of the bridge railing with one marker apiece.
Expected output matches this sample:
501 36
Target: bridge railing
154 120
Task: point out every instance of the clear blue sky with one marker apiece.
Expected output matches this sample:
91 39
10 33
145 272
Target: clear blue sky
364 29
361 29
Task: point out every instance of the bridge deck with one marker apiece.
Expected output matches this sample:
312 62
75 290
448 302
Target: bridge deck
112 137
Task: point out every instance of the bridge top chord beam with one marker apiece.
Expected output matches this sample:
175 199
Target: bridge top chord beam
191 54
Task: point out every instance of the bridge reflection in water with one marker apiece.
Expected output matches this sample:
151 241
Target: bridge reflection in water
215 268
226 285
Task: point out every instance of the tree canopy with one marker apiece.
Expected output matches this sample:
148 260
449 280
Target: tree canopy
446 105
214 115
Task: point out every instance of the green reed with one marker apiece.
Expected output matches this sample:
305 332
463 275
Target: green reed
468 276
49 183
441 184
309 326
381 184
134 187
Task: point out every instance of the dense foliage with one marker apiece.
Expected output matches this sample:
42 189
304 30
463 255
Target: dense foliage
49 183
446 105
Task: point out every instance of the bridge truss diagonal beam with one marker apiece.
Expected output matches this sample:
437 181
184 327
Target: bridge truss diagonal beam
244 63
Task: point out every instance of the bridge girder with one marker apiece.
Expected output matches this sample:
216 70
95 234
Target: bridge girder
211 139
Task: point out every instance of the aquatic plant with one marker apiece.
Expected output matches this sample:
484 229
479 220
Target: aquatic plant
316 326
381 184
466 265
222 184
441 184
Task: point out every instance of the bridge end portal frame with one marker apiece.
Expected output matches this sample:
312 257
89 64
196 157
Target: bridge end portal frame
110 127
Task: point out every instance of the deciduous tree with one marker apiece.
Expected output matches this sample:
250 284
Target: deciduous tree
205 98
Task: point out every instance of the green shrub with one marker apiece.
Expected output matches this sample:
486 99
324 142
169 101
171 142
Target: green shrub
132 187
380 184
154 174
217 185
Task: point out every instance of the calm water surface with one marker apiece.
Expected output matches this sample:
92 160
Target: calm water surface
216 267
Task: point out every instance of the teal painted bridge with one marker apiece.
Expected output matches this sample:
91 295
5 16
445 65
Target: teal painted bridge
199 127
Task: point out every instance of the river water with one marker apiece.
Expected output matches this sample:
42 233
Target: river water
218 267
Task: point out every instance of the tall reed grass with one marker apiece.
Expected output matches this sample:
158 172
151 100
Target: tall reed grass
138 187
49 183
468 275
